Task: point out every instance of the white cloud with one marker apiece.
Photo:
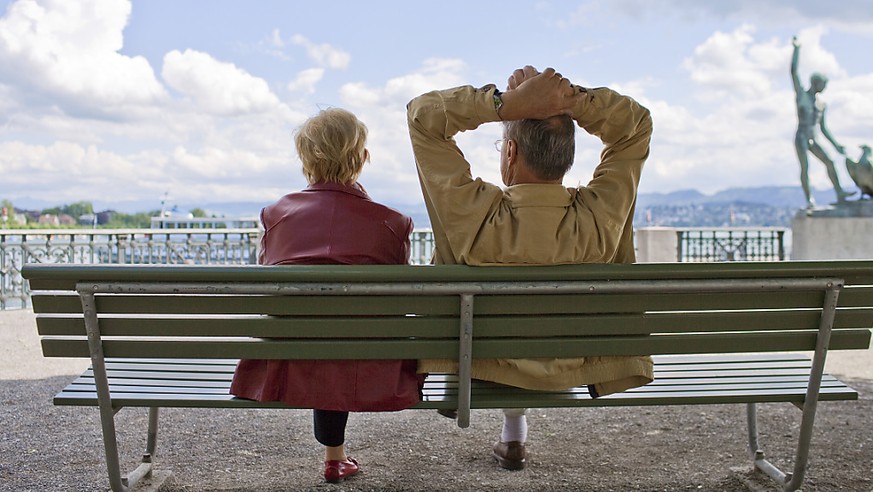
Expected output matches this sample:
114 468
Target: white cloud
47 172
324 54
66 54
730 63
306 80
434 74
215 86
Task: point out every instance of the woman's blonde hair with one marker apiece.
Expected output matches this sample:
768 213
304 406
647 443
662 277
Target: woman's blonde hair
331 146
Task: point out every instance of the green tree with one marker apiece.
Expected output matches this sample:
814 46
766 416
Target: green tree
198 212
139 220
78 209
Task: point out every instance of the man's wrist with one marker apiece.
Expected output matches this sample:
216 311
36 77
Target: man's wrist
497 97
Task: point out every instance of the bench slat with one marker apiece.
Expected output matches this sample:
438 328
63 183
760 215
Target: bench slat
447 348
660 360
205 366
701 386
429 327
494 400
65 276
69 302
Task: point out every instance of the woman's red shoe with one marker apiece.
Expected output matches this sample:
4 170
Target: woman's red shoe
335 471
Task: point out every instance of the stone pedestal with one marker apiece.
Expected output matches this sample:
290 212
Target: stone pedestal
838 233
657 244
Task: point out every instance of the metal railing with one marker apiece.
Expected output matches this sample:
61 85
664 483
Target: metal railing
239 246
730 244
117 246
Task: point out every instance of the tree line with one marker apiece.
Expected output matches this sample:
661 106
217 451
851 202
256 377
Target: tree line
13 218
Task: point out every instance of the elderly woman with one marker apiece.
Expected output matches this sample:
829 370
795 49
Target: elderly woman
332 221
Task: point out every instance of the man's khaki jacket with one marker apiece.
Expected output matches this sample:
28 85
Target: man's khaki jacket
479 223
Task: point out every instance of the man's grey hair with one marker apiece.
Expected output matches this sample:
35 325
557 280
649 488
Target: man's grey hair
548 146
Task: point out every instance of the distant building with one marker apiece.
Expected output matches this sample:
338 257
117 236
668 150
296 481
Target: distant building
105 217
88 219
49 219
204 222
30 215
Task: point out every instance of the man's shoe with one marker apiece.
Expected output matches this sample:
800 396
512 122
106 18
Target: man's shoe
449 413
510 455
335 471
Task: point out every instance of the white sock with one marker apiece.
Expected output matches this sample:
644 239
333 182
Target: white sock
514 428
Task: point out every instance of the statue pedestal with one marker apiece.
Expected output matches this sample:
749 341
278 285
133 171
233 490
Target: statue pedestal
839 233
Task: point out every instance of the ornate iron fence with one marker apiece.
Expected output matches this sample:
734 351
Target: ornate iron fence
730 244
119 246
239 246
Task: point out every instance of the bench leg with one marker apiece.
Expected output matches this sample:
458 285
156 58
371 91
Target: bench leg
465 360
110 447
758 459
793 481
104 399
789 481
117 482
145 468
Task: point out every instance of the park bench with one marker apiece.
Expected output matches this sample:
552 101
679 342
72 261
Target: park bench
169 336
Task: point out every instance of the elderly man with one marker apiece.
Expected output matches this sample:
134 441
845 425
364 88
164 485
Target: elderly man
535 219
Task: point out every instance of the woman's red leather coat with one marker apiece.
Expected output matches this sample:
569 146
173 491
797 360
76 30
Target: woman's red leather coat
329 223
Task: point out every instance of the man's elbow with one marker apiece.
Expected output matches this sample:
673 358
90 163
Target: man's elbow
645 125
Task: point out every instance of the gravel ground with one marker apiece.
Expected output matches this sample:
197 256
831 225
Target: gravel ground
47 448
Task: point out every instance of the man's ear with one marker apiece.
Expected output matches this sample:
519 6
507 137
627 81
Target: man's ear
511 149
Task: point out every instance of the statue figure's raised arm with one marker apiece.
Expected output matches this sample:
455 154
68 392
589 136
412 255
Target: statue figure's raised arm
798 88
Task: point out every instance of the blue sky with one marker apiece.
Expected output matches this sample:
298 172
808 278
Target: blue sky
120 102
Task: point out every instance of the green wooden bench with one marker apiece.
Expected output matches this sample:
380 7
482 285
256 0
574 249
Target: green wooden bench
169 336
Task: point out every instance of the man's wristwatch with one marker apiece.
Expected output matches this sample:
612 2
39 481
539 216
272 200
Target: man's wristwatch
498 100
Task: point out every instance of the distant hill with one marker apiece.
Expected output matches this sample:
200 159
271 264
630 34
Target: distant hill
776 196
756 206
763 206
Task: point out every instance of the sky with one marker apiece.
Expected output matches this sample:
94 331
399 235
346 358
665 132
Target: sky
125 103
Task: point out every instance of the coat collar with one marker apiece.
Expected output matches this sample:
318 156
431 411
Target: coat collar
352 189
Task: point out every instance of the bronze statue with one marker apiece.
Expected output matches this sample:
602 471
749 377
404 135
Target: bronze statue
862 171
811 114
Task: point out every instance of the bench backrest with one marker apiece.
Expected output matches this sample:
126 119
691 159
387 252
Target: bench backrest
379 312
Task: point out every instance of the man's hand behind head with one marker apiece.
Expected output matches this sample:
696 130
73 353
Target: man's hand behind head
534 95
520 75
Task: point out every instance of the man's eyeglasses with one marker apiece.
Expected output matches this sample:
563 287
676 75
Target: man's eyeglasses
498 145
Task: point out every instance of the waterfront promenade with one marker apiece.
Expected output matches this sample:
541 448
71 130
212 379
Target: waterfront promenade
47 448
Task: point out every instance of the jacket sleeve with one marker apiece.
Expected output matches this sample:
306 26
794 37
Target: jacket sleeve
405 250
625 128
456 202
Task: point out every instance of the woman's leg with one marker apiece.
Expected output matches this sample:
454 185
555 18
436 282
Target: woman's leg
330 431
